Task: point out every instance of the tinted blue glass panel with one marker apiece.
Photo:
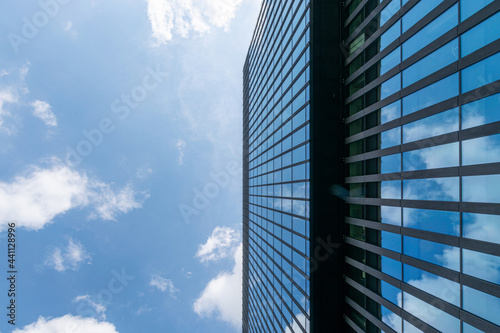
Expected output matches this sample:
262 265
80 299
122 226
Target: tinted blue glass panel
445 289
440 58
481 304
481 73
390 86
483 111
439 189
390 112
439 254
389 292
389 11
481 35
430 314
418 11
391 267
390 61
390 189
481 189
432 158
391 163
441 123
390 138
390 241
430 32
470 7
430 95
432 220
390 215
390 35
391 319
481 227
470 329
481 150
482 266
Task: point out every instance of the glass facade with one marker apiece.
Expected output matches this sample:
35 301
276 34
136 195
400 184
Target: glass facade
423 167
419 165
277 148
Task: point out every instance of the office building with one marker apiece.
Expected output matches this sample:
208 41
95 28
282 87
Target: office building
371 186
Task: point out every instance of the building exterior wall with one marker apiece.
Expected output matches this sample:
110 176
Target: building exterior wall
372 126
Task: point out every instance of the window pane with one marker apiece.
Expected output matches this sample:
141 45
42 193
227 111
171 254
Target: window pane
430 314
391 163
481 304
390 189
483 111
392 111
432 220
445 289
418 11
439 189
431 63
390 35
430 95
481 265
481 35
481 227
390 215
481 189
390 241
432 158
470 7
471 329
390 86
481 150
482 73
439 254
390 61
441 123
390 138
430 32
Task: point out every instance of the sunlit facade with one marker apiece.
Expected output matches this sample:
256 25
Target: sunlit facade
409 203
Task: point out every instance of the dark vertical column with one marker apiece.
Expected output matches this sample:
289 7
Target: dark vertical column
327 168
246 244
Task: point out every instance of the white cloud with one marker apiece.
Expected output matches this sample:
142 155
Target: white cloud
68 323
144 172
69 258
143 309
181 146
219 245
67 25
55 190
6 96
180 17
222 295
99 308
164 285
43 111
295 325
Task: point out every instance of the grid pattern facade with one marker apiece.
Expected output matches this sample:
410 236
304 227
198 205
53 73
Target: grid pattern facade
422 106
276 157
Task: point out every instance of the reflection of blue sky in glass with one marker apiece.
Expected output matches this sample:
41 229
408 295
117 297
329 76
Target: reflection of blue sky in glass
481 189
470 7
481 73
481 150
432 220
390 112
480 35
481 227
390 163
481 304
417 12
441 123
432 158
432 252
440 189
480 112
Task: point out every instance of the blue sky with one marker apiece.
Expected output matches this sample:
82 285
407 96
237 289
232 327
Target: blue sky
120 163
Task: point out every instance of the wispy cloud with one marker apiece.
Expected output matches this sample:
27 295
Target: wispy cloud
144 172
99 308
57 189
67 323
43 110
164 285
219 245
181 17
69 257
181 146
222 295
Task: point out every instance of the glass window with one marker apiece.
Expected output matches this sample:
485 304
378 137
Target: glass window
390 36
390 241
481 189
432 220
390 112
481 35
390 215
391 163
390 189
441 123
430 314
445 289
430 95
439 254
390 138
432 158
481 73
481 150
391 267
439 189
390 61
440 58
481 304
470 7
418 11
481 227
471 329
481 265
389 292
480 112
430 32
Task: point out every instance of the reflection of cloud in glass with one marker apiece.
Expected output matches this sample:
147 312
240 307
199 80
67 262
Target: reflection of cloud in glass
441 123
441 189
481 189
481 150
